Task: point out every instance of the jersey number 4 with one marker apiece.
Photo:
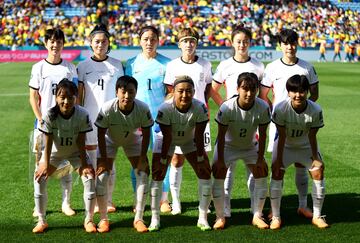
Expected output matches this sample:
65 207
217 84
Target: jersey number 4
101 83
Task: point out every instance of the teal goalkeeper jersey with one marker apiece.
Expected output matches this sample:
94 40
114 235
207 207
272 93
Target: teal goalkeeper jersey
150 76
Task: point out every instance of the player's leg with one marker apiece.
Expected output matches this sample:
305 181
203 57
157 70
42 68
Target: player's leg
276 187
218 194
101 198
251 187
112 177
66 186
301 181
164 203
318 195
203 172
41 198
260 190
228 185
141 193
176 166
158 170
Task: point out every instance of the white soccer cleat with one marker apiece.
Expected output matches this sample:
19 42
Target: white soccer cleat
67 210
203 225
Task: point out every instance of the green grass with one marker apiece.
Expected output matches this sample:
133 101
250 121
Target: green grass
339 142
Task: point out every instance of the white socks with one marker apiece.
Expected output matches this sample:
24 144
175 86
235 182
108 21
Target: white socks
175 185
205 198
41 197
155 195
66 185
318 196
301 181
141 193
275 196
101 194
228 184
89 197
218 197
251 187
260 193
111 184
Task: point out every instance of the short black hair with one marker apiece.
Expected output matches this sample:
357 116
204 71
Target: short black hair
124 81
149 28
250 80
297 83
240 29
55 33
288 36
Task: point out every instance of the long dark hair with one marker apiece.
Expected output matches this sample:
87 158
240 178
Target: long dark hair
64 84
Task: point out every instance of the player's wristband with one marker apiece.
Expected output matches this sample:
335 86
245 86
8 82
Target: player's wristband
200 158
163 161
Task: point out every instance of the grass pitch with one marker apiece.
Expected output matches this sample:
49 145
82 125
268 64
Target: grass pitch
339 142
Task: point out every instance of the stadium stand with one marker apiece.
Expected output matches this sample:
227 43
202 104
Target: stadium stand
23 22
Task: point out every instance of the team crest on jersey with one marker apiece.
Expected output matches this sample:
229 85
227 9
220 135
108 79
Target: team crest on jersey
148 114
99 117
160 114
204 108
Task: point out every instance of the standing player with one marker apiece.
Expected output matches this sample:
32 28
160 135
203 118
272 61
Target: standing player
64 127
297 121
226 74
182 121
45 75
97 79
275 77
238 120
200 72
123 122
148 68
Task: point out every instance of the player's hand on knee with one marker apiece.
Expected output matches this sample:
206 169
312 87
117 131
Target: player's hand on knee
86 171
278 170
41 172
317 169
260 168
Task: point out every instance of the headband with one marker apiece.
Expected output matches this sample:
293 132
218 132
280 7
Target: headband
187 37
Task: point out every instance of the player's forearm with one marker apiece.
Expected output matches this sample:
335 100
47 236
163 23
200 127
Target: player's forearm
102 142
199 138
214 93
35 107
145 141
81 145
48 146
313 144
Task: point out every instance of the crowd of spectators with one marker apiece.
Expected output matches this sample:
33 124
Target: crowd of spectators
23 23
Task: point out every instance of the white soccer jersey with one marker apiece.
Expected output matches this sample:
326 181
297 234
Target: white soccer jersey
122 129
182 124
99 79
199 71
65 131
242 124
229 70
277 73
45 77
297 125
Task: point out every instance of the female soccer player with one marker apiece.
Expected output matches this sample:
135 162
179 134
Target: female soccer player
97 79
182 121
238 120
226 74
297 120
148 68
45 76
275 77
64 127
126 122
200 72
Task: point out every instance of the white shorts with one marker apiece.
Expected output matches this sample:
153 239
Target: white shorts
185 148
233 154
131 149
207 141
58 162
91 137
37 141
295 155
